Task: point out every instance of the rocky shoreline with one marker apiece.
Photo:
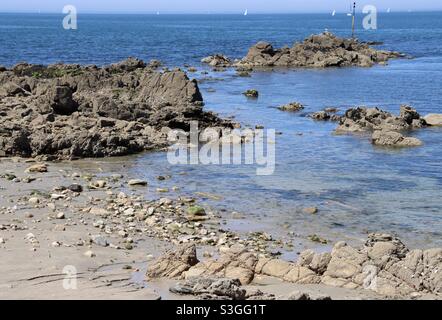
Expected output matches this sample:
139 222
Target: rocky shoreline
71 111
87 219
317 51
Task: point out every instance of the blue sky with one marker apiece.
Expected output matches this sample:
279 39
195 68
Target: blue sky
201 6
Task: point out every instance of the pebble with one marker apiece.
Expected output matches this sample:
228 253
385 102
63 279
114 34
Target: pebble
34 200
311 210
41 167
90 254
76 188
60 215
137 182
2 241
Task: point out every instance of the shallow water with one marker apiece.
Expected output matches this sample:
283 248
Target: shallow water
357 187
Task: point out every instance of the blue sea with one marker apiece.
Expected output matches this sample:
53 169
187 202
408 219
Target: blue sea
358 188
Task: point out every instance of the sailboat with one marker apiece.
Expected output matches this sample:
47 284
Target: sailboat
158 13
246 12
388 10
333 13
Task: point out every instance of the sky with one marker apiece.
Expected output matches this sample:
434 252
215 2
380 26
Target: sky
204 6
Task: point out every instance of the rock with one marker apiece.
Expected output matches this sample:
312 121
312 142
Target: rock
320 116
41 168
99 184
433 119
2 241
311 210
75 188
99 240
292 107
369 119
34 200
251 93
211 288
196 213
90 254
316 238
69 112
61 101
217 60
317 51
303 296
137 182
394 139
235 263
60 215
174 263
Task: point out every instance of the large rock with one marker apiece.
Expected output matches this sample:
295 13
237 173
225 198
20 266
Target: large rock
174 263
237 263
433 119
393 139
68 111
317 51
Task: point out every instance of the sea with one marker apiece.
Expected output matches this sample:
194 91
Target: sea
358 188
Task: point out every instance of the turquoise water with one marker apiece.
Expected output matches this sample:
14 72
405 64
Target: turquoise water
358 188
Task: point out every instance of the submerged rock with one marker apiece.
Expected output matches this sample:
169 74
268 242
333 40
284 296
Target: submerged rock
292 107
252 93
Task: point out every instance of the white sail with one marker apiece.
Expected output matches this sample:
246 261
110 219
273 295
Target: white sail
246 12
388 10
333 13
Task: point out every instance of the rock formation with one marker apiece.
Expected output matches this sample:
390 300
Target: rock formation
384 265
385 127
317 51
70 111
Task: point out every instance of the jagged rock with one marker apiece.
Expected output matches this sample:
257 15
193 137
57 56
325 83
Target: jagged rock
317 51
211 288
433 119
392 138
174 263
292 107
70 111
320 116
217 60
236 263
252 93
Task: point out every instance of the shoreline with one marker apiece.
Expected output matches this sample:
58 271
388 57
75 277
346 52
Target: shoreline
107 271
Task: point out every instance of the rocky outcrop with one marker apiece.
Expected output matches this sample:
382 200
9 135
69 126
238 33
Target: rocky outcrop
174 263
362 119
383 265
217 60
387 129
317 51
393 138
70 111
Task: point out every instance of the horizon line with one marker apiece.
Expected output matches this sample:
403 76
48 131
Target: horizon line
210 12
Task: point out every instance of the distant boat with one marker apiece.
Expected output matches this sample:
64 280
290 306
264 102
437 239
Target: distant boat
388 10
158 13
246 12
333 13
349 14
